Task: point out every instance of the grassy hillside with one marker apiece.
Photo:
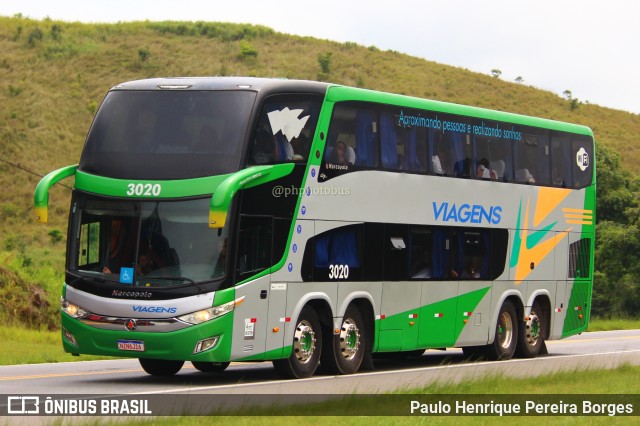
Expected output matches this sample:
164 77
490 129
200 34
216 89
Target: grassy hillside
53 76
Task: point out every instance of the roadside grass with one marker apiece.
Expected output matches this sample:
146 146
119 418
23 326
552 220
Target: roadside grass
568 385
31 346
600 324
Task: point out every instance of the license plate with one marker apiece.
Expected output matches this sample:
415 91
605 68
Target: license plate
131 345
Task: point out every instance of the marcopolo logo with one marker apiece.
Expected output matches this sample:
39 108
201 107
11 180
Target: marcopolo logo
471 213
582 159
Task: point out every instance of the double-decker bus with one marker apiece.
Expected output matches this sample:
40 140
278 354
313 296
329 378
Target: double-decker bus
244 219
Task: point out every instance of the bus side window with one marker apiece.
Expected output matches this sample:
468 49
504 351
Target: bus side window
89 252
560 157
471 259
462 155
352 137
388 141
421 257
254 245
284 129
441 244
396 258
442 157
581 159
338 254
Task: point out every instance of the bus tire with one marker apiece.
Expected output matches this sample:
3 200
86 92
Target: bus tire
531 333
345 353
506 335
306 348
160 367
210 367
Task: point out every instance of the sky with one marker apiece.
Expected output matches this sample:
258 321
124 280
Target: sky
589 47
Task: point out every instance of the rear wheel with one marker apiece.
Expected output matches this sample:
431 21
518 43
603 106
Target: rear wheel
306 348
160 367
531 336
210 367
506 336
344 353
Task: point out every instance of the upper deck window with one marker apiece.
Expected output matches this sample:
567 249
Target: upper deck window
285 129
168 134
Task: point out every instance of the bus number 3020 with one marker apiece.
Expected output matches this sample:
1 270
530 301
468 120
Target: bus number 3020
144 189
338 272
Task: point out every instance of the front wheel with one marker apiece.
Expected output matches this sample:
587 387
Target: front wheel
506 336
306 348
345 354
160 367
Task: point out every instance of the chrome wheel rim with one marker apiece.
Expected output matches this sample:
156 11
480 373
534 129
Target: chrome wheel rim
304 342
349 339
532 329
505 330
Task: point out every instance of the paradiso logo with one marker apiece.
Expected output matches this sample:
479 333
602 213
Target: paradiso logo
582 159
467 213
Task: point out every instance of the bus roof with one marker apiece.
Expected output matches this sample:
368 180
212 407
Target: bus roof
225 83
337 93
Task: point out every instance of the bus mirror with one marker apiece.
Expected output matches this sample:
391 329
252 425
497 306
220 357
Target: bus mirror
41 194
243 179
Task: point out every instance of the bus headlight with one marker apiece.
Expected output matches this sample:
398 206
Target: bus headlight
74 311
208 314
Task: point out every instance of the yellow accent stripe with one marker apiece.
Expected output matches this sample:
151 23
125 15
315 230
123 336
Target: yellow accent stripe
579 222
578 216
568 210
548 200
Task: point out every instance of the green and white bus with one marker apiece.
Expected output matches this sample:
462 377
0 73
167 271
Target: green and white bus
216 220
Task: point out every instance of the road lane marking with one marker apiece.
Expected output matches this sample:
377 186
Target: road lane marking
564 341
85 373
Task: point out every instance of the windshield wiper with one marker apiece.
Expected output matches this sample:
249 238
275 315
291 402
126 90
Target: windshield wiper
189 280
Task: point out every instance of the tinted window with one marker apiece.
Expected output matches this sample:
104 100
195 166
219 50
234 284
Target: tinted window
531 159
582 162
352 139
337 254
580 259
561 175
167 134
285 129
254 245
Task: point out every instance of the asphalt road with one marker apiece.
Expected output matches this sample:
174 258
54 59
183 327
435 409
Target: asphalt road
125 376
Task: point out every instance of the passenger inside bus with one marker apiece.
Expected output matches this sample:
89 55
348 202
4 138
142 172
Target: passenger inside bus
119 251
473 269
483 171
341 153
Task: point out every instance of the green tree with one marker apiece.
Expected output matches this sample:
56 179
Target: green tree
618 196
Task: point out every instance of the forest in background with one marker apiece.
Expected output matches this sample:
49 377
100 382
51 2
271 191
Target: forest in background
53 76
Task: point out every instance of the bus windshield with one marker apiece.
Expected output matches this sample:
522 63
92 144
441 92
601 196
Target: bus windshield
146 243
169 134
